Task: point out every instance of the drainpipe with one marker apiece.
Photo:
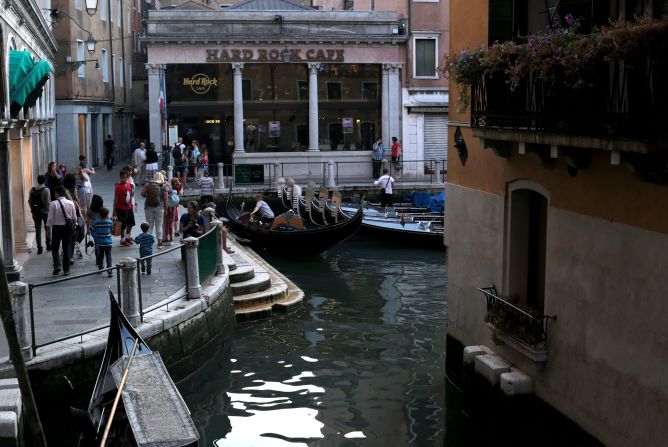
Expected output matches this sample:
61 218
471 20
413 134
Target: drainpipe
409 79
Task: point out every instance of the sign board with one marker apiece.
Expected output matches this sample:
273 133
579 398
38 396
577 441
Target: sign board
173 134
347 124
274 128
248 174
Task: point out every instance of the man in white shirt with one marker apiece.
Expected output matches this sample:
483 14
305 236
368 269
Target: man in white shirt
262 210
60 210
385 181
138 159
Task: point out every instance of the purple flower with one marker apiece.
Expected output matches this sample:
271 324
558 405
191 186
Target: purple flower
569 19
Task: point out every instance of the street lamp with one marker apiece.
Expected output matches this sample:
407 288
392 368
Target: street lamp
285 55
90 44
91 7
74 65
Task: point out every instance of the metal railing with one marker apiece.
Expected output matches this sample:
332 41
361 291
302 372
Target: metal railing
520 324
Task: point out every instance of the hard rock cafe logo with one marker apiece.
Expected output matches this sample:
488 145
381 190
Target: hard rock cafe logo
201 83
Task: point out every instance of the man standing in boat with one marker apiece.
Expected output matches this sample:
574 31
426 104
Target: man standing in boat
262 211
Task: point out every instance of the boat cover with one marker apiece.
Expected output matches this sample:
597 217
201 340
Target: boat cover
155 409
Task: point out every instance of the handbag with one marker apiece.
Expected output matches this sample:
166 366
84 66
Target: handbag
69 222
116 227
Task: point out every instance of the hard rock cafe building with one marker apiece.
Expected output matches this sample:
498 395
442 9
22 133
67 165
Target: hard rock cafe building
290 84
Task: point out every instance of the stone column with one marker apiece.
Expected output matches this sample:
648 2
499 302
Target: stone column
237 69
330 174
8 250
394 104
194 287
16 188
385 119
130 290
21 306
220 184
155 73
220 264
170 173
313 121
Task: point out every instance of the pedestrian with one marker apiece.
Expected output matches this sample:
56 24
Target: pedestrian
70 184
151 161
101 232
209 211
385 181
178 187
192 222
180 163
84 189
194 159
39 200
167 159
109 149
62 167
123 207
96 204
262 210
396 157
377 157
60 211
206 187
204 158
155 205
53 178
138 160
145 240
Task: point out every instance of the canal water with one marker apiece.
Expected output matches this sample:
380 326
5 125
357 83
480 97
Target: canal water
359 363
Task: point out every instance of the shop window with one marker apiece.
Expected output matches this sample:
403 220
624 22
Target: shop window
302 90
369 90
247 89
334 90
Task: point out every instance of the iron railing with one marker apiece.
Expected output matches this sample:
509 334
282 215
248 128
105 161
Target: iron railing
521 324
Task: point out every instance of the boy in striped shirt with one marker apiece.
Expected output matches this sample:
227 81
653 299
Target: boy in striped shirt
101 232
145 241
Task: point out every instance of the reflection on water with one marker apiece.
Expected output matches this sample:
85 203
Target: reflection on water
360 363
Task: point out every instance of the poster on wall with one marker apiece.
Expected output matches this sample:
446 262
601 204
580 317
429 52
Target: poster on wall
173 134
347 124
274 128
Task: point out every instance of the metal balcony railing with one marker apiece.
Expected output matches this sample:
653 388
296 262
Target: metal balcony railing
521 324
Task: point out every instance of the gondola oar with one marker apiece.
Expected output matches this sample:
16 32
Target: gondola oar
118 394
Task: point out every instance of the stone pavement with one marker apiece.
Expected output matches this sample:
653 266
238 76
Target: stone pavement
78 304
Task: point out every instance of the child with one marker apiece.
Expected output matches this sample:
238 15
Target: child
178 187
145 241
101 231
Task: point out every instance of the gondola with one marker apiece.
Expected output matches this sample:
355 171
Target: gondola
422 229
290 233
151 411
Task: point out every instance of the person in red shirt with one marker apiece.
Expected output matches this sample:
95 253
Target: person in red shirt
123 209
396 155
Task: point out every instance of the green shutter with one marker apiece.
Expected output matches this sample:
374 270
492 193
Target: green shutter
425 57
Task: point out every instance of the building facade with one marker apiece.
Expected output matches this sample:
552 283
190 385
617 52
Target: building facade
94 87
557 217
264 81
27 120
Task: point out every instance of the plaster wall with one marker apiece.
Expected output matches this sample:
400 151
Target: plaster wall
605 282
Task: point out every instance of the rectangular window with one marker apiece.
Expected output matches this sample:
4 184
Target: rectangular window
302 90
113 67
105 65
128 25
103 11
120 12
425 58
111 11
81 71
121 71
247 89
333 90
370 90
78 4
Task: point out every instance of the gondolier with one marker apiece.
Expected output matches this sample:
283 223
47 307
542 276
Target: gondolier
262 210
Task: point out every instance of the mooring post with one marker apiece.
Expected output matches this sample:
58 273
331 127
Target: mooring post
170 173
220 264
194 287
330 174
19 295
129 290
221 176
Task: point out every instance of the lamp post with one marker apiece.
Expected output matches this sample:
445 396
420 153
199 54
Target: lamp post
91 7
90 44
74 65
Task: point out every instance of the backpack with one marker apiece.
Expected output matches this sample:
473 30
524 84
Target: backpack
173 198
152 194
177 154
35 201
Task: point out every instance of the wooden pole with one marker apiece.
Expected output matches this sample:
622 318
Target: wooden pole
35 431
118 394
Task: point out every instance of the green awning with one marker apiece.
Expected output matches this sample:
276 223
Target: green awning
26 79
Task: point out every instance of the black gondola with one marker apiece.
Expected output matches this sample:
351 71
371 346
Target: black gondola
291 233
152 411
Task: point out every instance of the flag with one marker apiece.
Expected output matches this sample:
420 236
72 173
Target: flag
162 102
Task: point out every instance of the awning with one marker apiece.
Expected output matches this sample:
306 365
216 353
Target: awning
26 79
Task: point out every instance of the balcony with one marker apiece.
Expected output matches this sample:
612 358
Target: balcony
523 329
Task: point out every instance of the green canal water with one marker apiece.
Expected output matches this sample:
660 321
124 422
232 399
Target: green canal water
359 363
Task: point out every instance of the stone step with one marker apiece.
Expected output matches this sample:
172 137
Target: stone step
259 282
265 297
241 273
266 310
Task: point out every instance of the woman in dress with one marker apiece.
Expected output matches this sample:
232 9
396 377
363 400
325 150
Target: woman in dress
83 188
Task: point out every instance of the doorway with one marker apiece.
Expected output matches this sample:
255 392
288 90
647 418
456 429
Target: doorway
82 134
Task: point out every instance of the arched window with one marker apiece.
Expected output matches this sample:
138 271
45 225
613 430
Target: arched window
526 244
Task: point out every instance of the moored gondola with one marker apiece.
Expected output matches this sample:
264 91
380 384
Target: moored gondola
151 412
290 233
